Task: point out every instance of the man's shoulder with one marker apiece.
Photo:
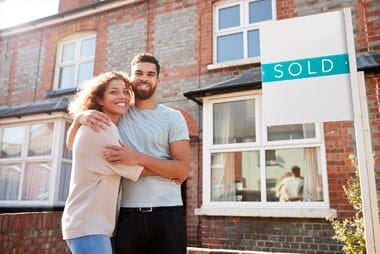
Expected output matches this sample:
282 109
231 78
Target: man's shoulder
169 110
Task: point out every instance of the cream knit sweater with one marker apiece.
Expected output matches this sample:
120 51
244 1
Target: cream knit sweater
92 204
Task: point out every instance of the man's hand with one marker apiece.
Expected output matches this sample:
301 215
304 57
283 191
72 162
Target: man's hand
94 119
121 154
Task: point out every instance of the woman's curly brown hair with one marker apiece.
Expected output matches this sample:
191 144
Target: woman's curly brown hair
90 91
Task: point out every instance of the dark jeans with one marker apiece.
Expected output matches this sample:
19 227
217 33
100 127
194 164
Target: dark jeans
160 231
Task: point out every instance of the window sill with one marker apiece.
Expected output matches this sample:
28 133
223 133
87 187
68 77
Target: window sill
253 60
268 212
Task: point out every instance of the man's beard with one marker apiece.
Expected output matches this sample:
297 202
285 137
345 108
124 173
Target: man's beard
144 94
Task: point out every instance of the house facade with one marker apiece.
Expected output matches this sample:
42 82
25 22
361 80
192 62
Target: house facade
209 52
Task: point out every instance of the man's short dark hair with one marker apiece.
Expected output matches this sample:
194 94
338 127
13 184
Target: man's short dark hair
146 58
296 171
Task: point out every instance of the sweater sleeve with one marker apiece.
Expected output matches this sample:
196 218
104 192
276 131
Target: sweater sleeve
88 153
132 172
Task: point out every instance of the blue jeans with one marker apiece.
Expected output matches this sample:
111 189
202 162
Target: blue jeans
162 230
90 244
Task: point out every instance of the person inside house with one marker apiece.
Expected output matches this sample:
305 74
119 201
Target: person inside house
291 186
151 218
89 216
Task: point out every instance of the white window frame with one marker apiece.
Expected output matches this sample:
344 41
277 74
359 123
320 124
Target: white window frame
78 37
262 208
244 27
55 158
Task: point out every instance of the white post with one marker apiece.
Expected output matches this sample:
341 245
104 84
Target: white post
363 146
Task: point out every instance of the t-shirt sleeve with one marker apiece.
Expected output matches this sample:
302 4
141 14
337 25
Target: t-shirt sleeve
178 128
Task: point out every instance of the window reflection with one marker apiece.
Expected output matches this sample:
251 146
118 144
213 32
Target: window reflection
229 17
234 122
235 176
67 154
36 181
10 177
260 11
64 181
40 139
12 141
291 131
294 175
230 47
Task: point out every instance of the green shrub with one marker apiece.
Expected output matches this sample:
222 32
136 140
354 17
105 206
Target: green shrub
350 231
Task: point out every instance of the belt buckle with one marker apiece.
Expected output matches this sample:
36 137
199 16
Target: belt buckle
145 209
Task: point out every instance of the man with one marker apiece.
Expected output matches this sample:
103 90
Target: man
151 218
291 186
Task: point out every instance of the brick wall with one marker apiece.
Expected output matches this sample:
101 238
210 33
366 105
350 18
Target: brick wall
37 232
269 234
340 143
373 97
66 5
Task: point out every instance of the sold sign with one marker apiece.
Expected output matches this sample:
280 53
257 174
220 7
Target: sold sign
305 68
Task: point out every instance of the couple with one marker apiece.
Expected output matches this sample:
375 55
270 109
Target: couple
153 163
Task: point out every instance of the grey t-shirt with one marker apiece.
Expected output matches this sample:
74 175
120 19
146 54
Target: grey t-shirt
151 132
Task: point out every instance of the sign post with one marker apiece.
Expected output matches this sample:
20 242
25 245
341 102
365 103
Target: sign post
363 146
308 68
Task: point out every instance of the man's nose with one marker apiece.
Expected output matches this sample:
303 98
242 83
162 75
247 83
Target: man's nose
144 77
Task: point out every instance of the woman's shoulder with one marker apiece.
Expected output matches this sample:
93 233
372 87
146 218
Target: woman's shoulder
108 130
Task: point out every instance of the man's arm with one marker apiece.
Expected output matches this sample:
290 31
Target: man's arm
176 168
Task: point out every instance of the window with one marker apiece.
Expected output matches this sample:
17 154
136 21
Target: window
75 60
33 158
249 165
237 25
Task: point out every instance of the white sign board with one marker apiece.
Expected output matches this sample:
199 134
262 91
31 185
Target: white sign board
305 70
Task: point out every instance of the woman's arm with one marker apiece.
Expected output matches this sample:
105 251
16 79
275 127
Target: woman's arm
71 132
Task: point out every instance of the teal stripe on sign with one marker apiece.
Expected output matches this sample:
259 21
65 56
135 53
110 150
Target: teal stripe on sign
305 68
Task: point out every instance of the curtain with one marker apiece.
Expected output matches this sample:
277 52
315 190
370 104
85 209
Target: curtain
313 180
10 177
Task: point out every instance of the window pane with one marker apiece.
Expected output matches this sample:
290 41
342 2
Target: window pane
289 132
234 122
229 17
40 139
36 181
85 71
87 48
260 11
67 154
11 142
67 77
235 176
230 47
64 181
285 182
10 176
253 43
68 52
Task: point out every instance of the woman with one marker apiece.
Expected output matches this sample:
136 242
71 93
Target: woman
89 216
